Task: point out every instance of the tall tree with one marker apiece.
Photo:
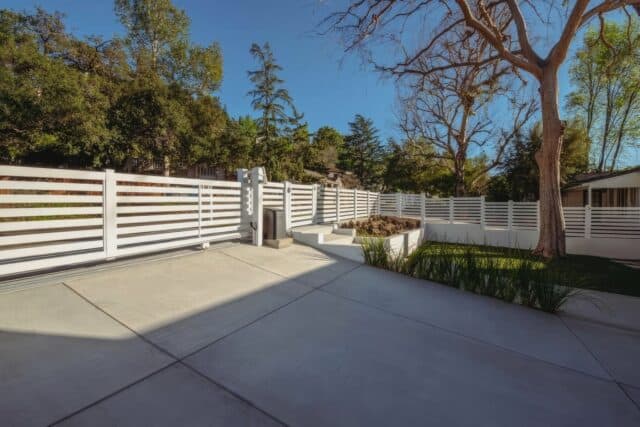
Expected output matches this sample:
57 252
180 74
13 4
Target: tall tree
363 152
504 24
282 133
606 75
163 55
454 109
269 97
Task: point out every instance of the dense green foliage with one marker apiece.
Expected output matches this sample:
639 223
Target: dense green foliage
518 177
146 102
605 73
120 103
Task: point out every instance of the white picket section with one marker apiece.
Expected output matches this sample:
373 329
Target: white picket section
574 219
273 194
411 205
301 205
621 223
49 217
524 216
437 210
496 214
347 205
327 205
53 217
374 203
362 210
389 204
467 210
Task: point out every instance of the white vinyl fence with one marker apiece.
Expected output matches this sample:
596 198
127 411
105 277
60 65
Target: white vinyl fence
53 217
607 232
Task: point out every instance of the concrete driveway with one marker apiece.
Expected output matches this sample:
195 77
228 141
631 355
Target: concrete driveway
240 335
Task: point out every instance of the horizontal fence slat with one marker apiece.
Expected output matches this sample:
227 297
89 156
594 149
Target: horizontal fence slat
19 239
31 172
66 211
49 224
49 199
49 186
49 249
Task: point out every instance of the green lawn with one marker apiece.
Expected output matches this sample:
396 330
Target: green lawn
584 272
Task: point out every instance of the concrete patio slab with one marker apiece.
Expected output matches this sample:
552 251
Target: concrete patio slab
618 350
174 397
634 393
306 265
511 326
324 360
182 304
622 311
58 354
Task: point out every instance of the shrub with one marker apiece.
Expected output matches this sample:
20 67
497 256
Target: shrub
377 255
374 252
551 294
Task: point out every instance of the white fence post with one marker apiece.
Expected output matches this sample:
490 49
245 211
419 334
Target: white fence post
587 222
451 201
257 176
109 217
200 209
286 205
398 204
241 175
355 203
538 215
510 215
368 203
246 198
314 203
423 209
338 205
482 213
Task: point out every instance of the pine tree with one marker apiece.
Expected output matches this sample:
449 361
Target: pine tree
363 152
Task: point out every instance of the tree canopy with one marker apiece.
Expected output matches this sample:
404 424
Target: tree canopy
605 73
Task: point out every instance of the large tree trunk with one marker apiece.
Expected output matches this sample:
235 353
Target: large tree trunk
551 242
459 189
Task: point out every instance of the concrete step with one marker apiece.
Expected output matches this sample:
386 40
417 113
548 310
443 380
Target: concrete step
336 242
338 239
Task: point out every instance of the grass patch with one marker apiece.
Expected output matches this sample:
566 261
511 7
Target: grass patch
576 271
509 274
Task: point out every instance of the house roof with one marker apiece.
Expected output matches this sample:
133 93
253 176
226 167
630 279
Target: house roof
584 178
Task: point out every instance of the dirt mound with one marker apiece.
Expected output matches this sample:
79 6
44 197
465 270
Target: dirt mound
382 226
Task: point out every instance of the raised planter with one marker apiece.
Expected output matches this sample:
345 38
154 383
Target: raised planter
399 244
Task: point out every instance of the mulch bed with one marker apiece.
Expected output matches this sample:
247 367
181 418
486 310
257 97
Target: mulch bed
382 226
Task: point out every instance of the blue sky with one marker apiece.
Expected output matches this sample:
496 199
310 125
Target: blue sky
327 85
